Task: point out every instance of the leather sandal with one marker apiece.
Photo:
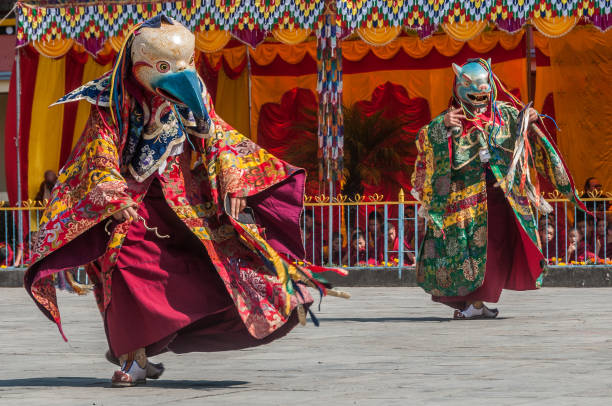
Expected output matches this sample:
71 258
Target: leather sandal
130 374
154 370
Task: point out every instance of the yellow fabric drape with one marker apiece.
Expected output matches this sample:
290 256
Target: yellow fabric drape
542 43
356 50
291 37
488 40
91 71
212 41
378 36
544 86
53 49
435 85
581 66
554 27
444 44
464 31
232 101
115 42
46 126
265 54
233 56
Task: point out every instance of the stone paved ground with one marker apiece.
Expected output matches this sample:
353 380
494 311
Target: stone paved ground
385 346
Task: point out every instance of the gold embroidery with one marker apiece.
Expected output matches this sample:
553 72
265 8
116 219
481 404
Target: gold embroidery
443 277
480 236
462 217
470 268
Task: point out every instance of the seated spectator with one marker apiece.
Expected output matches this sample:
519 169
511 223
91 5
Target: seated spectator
546 230
312 240
375 226
393 245
585 224
577 250
6 255
605 250
591 185
358 255
44 191
338 249
23 256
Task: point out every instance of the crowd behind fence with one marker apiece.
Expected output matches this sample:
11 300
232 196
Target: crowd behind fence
369 232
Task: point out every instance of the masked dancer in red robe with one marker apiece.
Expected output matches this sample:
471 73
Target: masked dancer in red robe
184 256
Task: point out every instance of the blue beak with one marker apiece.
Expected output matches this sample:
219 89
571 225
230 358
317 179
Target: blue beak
184 88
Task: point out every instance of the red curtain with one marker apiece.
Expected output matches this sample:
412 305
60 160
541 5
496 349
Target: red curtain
75 62
277 127
282 124
29 65
393 101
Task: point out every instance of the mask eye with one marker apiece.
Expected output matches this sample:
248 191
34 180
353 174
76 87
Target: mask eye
163 66
192 59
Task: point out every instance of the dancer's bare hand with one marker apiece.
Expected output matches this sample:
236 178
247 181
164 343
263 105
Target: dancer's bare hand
533 115
453 118
237 204
127 214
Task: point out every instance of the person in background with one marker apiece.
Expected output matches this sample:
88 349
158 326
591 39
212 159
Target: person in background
591 185
547 238
585 224
393 244
358 254
312 240
375 227
605 240
44 191
338 249
6 255
577 250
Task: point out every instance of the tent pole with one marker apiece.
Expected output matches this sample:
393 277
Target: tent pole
18 142
530 60
248 57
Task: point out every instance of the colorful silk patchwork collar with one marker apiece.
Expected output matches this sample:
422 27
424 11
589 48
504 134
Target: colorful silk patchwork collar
152 138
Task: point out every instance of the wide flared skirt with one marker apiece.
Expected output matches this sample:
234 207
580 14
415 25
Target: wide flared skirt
513 260
166 293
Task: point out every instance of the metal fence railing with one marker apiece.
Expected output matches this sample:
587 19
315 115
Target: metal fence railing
370 232
18 226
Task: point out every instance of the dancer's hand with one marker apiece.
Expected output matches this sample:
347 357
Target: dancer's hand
127 214
237 204
453 118
533 115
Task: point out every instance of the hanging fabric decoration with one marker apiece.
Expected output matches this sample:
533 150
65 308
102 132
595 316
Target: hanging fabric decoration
329 88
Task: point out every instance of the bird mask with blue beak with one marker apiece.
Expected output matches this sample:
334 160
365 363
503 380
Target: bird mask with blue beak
162 54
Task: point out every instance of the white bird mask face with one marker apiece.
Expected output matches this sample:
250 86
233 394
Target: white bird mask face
163 63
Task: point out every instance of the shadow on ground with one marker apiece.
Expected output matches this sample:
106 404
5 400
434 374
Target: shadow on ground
397 319
386 319
79 382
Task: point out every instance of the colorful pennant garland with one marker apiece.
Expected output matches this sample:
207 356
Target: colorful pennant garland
91 23
423 14
329 88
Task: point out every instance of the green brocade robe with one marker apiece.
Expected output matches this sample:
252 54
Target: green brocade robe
453 193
